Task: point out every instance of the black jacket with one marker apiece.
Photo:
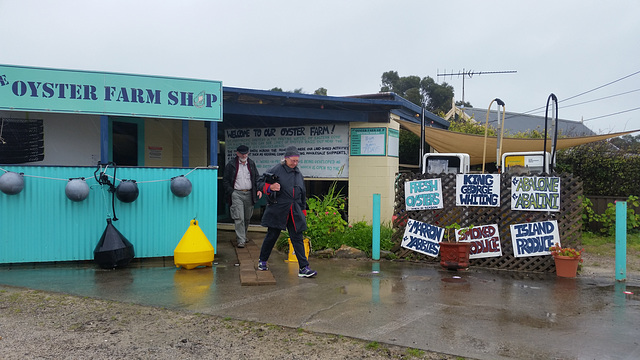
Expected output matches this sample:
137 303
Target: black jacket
290 201
230 174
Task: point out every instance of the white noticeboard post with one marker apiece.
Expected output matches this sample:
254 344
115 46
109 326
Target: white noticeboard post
368 141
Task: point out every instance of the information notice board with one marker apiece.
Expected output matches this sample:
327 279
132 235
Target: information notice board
369 141
324 149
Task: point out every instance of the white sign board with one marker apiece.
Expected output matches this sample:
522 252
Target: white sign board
422 237
484 239
478 190
533 239
535 193
324 149
423 194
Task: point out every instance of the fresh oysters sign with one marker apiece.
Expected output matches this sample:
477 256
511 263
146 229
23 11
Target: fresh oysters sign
86 92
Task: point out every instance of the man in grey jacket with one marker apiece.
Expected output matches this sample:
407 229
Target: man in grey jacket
286 209
240 182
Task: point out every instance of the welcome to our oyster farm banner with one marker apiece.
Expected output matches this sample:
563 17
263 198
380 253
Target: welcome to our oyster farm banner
324 149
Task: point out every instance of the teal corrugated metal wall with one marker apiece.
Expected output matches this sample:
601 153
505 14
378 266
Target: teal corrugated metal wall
40 224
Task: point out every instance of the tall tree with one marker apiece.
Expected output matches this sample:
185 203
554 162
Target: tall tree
320 91
436 97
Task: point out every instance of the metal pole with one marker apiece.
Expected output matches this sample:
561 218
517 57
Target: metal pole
621 240
375 248
422 128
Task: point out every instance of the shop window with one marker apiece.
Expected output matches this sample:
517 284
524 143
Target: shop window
124 137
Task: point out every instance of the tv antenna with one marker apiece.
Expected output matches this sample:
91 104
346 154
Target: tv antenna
470 73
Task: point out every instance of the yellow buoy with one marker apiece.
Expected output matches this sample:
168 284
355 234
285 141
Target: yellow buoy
194 249
292 253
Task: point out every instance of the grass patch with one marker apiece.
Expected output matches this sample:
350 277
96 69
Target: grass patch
411 352
603 245
374 345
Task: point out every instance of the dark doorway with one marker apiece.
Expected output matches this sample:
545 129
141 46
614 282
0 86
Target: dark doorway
124 137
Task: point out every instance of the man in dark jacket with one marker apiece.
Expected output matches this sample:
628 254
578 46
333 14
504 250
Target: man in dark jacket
240 182
286 210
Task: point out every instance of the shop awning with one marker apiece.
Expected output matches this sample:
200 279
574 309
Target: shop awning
445 141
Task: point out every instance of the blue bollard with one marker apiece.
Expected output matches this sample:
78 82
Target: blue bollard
375 248
621 240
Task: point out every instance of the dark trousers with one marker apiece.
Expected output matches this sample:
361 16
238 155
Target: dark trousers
297 241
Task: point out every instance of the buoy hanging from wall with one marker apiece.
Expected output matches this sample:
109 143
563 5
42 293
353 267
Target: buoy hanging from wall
113 250
11 183
181 186
76 189
127 191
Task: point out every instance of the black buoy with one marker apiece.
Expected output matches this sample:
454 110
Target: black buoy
181 186
127 191
113 249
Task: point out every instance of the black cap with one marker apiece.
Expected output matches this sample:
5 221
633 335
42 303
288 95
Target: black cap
243 149
291 151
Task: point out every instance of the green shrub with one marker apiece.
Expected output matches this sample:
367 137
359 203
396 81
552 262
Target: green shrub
608 219
325 217
360 235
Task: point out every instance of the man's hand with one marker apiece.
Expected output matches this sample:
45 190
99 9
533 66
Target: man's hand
259 194
275 187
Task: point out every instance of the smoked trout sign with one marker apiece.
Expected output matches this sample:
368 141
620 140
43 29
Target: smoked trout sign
532 239
478 190
535 193
423 194
485 241
422 237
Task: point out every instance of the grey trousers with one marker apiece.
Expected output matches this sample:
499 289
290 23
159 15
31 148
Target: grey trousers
241 211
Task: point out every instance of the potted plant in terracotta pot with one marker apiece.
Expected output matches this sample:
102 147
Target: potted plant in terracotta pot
454 255
567 260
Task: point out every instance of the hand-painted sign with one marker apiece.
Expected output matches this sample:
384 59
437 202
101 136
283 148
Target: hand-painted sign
423 194
324 149
533 239
87 92
422 237
485 241
478 190
535 193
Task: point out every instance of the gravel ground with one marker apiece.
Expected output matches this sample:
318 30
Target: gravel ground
43 325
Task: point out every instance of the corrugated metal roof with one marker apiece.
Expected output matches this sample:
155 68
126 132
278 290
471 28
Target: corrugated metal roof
515 122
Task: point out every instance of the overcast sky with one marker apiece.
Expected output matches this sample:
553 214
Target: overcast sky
564 47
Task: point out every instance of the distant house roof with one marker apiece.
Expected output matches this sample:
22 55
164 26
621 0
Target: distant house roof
254 108
515 122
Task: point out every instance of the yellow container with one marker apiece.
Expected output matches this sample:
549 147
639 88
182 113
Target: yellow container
194 249
292 253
